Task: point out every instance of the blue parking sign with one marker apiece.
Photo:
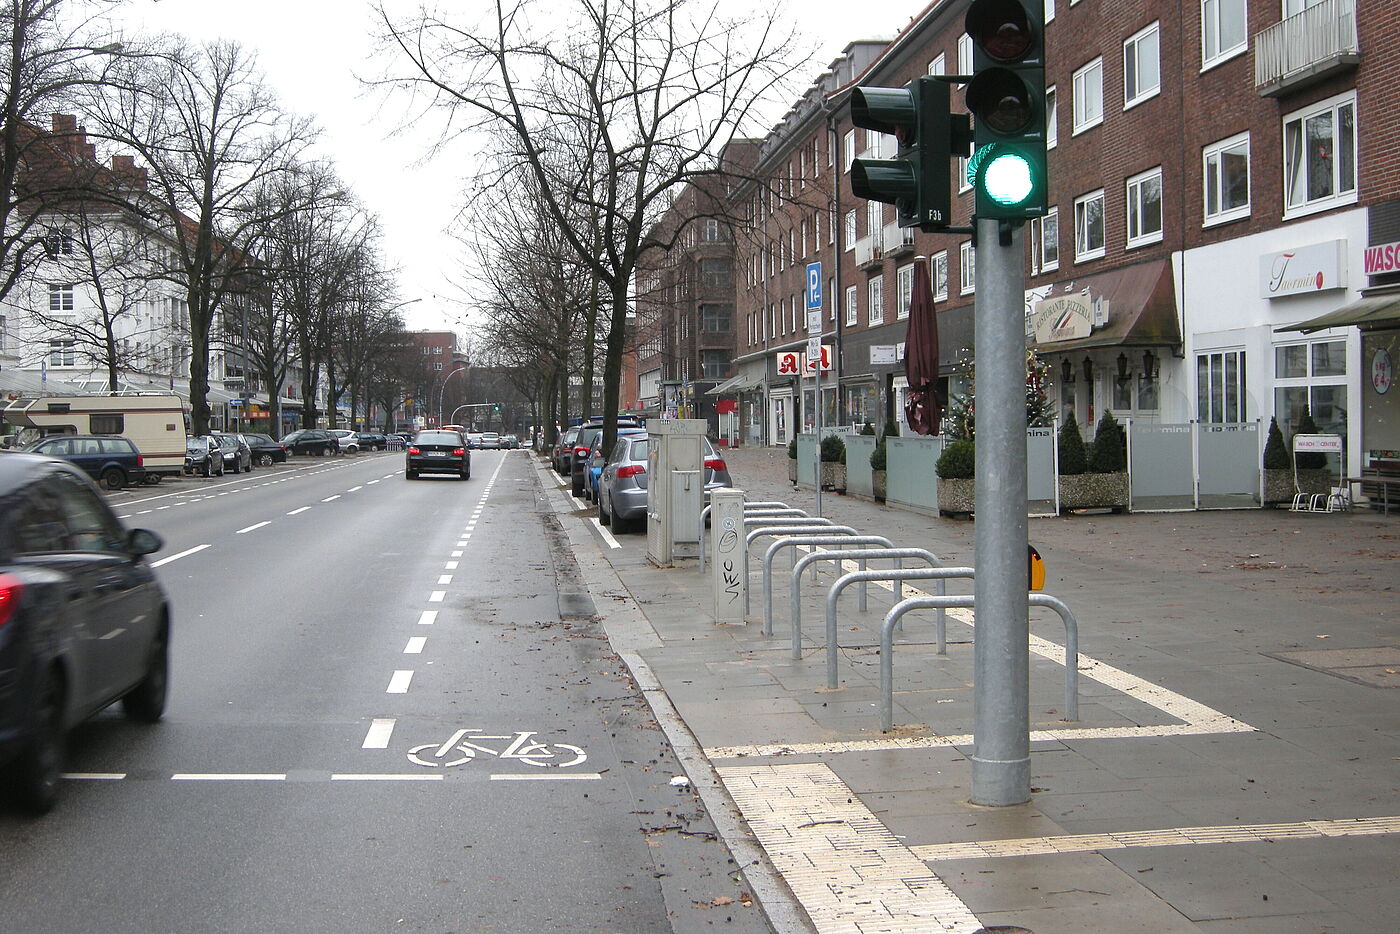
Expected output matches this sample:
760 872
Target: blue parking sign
814 286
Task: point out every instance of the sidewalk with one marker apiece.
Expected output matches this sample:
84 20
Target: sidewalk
1234 768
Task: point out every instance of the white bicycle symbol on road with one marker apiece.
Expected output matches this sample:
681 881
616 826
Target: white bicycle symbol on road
462 747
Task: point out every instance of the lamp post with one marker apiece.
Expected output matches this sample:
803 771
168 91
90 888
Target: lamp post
443 391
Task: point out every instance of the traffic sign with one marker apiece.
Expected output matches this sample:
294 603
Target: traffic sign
814 286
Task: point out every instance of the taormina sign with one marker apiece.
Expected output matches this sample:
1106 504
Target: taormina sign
1063 318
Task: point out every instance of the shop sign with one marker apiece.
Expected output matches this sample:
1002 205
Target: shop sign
1382 259
1382 372
1313 268
1063 318
793 362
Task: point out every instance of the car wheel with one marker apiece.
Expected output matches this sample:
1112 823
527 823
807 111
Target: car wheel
603 517
410 474
113 478
40 765
146 701
207 471
264 460
237 467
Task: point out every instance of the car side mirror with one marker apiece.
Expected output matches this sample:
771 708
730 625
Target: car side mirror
143 542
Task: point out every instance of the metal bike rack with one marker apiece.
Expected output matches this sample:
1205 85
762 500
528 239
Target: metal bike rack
788 527
936 574
862 555
758 508
793 542
926 603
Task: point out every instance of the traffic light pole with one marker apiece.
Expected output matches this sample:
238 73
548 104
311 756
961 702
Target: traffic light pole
1001 697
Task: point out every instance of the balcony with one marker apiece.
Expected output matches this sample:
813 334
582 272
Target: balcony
899 241
1306 48
869 252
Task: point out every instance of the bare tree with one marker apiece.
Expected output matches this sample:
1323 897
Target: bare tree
634 99
209 132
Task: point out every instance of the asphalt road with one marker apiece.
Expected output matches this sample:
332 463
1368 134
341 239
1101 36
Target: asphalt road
337 628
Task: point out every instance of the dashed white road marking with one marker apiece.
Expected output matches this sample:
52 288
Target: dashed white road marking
301 509
176 557
95 776
252 528
437 596
445 579
450 566
415 645
456 554
398 684
229 777
329 499
428 618
380 731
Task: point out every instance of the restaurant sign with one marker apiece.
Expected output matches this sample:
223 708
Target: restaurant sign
1063 318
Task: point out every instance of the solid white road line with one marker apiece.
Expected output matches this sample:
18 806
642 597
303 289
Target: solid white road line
428 618
295 511
380 731
398 684
252 528
184 554
415 645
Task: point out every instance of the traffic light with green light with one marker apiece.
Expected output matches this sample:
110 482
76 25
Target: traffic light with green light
917 180
1006 97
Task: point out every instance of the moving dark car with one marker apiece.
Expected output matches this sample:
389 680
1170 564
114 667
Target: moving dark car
204 456
314 441
437 451
266 452
83 621
112 461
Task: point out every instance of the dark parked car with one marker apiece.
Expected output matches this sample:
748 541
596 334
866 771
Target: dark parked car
204 456
314 441
238 454
266 452
372 441
83 621
112 461
589 435
437 451
563 451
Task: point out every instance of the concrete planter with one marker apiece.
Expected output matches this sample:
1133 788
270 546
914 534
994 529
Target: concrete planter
1094 491
878 481
792 470
957 497
1278 484
833 476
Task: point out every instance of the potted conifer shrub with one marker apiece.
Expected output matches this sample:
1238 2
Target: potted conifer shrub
957 488
1278 471
1074 464
1108 465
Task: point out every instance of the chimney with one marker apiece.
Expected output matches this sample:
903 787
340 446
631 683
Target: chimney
125 170
70 137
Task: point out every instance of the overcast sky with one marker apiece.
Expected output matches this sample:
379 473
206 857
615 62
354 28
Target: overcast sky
313 51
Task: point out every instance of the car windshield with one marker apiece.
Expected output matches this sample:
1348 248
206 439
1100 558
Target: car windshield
438 437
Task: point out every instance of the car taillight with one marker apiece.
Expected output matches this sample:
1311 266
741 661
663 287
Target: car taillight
579 452
10 590
715 463
140 460
414 450
458 452
631 470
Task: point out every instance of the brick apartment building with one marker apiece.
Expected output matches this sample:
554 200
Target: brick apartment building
1212 190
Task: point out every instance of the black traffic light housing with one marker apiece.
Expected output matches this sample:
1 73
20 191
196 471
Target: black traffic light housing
1006 97
917 180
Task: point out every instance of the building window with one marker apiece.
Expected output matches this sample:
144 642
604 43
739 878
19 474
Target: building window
850 231
964 54
1319 156
1220 390
939 265
60 298
1049 10
904 289
1226 181
714 364
1045 241
937 67
849 150
2 333
877 300
852 312
62 353
715 274
437 366
59 242
1145 208
1311 377
713 232
1088 227
968 257
1088 96
1222 30
1142 76
714 319
1052 118
437 350
829 297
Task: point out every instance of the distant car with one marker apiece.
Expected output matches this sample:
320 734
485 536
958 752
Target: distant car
490 441
346 441
473 440
372 441
83 621
238 454
510 442
622 486
113 461
314 441
204 456
266 452
436 451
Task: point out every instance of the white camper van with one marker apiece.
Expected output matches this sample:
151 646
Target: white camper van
154 422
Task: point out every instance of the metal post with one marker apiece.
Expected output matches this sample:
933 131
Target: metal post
1001 697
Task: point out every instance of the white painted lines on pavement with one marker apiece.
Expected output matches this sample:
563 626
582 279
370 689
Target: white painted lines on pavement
445 579
456 554
380 731
301 509
437 596
450 566
176 557
252 528
95 776
329 499
355 488
428 618
398 684
415 645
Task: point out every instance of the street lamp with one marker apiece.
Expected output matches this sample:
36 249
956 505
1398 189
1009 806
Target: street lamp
443 391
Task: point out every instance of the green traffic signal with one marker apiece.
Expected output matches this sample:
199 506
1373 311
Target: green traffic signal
1006 179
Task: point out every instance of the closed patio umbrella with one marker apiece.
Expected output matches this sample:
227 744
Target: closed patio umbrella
922 408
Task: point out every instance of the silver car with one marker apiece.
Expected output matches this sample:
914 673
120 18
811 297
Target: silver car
622 486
